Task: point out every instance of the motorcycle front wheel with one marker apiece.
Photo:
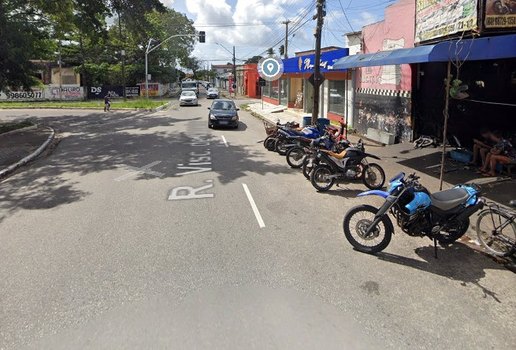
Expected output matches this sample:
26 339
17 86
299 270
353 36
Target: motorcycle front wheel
279 146
307 167
320 178
295 157
356 222
373 176
269 143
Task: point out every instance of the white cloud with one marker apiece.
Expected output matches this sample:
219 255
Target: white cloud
364 19
168 3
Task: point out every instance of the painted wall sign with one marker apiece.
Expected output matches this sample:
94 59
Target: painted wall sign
49 92
500 14
440 18
306 63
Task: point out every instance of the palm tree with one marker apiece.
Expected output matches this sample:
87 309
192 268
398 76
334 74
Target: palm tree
270 51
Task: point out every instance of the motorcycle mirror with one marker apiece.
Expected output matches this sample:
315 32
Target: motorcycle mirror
399 176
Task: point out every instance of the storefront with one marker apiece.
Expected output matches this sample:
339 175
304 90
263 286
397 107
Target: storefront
487 77
295 91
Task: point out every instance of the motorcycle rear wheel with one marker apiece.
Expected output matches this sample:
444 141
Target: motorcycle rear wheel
319 178
295 157
373 176
355 223
454 234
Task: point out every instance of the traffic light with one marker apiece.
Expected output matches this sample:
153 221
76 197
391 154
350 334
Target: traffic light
202 36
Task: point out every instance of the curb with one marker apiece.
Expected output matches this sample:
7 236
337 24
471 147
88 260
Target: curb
26 128
31 156
162 107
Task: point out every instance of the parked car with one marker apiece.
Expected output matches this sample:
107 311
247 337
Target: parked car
212 93
188 98
223 113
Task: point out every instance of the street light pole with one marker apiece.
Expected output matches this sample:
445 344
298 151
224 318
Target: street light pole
150 49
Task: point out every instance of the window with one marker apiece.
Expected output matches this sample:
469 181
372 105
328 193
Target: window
284 91
275 89
337 90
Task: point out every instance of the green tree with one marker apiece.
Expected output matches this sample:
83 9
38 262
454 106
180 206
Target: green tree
270 51
254 59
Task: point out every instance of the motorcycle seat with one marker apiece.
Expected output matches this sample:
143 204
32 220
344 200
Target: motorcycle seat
449 199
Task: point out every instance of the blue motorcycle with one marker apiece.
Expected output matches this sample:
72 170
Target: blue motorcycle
441 216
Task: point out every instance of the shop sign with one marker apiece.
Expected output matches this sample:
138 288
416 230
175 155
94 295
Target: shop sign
440 18
306 63
500 14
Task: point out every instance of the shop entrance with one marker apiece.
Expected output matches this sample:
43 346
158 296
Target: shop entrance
309 97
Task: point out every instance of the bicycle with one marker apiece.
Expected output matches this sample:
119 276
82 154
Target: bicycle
496 229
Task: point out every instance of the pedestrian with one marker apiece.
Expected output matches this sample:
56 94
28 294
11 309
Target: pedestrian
482 146
107 102
501 153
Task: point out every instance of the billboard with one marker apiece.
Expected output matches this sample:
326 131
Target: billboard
500 14
113 91
47 92
440 18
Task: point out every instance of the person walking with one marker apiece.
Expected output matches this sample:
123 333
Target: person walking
107 102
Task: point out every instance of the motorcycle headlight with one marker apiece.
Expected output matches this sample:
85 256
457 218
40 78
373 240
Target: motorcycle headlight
212 117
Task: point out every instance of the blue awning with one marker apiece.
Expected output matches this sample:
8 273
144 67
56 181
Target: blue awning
488 48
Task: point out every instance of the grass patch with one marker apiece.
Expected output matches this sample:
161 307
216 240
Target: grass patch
244 106
6 127
141 103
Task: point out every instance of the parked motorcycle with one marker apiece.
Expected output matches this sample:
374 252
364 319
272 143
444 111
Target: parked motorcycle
311 161
441 216
288 137
350 164
296 155
272 132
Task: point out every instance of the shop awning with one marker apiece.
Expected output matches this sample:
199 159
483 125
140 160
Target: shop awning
488 48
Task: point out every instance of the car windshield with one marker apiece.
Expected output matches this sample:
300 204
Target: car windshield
188 93
223 105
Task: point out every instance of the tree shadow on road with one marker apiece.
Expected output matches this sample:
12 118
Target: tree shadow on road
102 142
457 262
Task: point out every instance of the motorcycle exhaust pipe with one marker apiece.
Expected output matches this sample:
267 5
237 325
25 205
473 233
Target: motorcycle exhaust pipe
469 211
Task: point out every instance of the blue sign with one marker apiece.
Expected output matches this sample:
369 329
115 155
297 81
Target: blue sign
305 64
270 68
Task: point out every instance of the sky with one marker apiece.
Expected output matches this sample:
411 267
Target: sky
252 26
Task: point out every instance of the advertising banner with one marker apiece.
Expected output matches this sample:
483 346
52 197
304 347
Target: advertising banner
113 91
500 14
153 89
440 18
49 92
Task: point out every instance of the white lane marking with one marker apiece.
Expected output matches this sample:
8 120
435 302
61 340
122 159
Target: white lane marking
253 205
143 170
224 140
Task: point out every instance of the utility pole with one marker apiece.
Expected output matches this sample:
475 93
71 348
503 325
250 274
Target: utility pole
122 51
286 23
317 66
234 72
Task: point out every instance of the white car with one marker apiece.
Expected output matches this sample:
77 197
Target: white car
188 98
212 93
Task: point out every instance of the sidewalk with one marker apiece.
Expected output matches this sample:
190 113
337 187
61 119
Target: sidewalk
425 162
17 145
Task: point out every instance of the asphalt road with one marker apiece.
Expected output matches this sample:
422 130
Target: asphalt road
149 230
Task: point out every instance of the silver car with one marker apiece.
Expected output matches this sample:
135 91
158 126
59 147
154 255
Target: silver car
188 98
212 93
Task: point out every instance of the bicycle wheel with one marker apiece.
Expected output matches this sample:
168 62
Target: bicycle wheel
496 231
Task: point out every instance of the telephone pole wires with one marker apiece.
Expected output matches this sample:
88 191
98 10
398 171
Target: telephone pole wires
317 77
286 23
